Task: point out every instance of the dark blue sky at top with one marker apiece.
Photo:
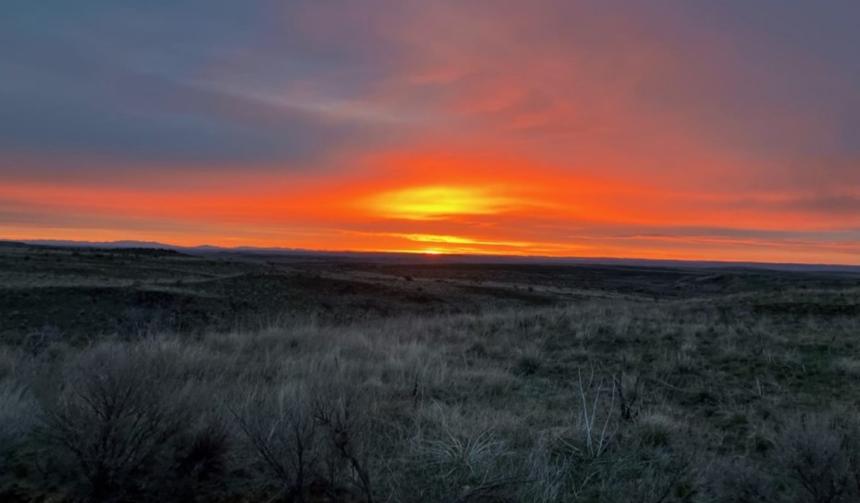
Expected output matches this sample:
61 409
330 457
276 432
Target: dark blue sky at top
127 80
192 81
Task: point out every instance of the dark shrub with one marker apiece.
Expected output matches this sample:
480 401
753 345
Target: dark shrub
110 426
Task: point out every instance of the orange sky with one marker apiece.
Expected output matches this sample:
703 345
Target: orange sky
553 130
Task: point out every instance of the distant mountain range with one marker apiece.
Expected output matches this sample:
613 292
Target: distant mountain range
444 258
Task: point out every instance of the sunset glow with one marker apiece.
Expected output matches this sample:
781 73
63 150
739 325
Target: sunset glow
690 131
438 202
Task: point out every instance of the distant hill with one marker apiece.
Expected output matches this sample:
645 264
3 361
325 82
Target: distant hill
122 247
385 257
100 244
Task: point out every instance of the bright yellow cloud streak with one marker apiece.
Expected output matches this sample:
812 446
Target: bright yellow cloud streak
436 238
436 202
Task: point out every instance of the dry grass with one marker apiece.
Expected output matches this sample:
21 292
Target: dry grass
602 401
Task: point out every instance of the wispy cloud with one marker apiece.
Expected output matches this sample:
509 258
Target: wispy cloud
549 127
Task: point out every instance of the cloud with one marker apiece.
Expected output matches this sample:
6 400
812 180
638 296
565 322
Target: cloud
130 82
440 202
593 127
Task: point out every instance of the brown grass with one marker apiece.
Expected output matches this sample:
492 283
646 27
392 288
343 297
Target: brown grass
602 401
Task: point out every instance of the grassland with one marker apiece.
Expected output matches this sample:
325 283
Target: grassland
140 375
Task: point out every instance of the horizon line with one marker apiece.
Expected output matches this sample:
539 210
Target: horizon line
497 258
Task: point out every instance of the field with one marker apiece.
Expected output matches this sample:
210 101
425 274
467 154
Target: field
155 375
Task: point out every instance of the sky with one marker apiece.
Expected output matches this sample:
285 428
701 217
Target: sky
685 129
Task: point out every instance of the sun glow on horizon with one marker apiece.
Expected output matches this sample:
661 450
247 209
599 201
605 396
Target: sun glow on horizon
459 240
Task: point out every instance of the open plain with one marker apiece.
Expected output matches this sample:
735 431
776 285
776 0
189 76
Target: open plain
160 375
